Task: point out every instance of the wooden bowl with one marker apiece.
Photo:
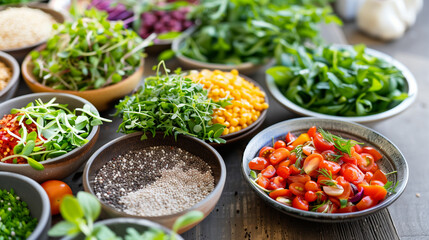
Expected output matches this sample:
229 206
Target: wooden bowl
11 87
102 98
35 196
20 53
59 167
393 160
131 142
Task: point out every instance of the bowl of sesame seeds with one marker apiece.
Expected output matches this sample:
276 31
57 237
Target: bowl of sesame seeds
158 179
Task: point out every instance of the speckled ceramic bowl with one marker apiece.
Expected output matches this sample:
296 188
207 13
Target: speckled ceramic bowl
392 160
411 86
12 85
120 225
132 142
33 194
59 167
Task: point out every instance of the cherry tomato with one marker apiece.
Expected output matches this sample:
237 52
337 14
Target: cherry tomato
350 158
376 182
374 168
308 150
365 203
294 170
279 144
347 209
300 178
335 201
368 176
379 176
310 196
300 203
352 173
311 186
292 158
321 144
303 138
332 167
280 193
290 147
376 154
347 191
312 131
358 148
56 191
277 182
265 152
330 155
297 188
290 137
263 181
366 162
321 196
285 163
311 164
269 172
258 163
283 172
279 155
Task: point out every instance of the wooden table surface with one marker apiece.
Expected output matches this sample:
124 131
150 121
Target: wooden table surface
240 214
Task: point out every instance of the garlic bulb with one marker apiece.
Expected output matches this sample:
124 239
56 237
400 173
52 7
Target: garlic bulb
388 19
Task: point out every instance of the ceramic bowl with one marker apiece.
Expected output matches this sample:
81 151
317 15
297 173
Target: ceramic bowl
392 160
20 53
120 225
10 89
35 196
59 167
102 98
131 142
411 90
189 63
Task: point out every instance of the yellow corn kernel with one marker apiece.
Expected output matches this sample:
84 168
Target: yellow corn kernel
234 122
226 123
232 129
225 131
220 120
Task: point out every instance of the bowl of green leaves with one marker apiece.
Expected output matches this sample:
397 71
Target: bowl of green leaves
349 83
47 135
244 35
91 57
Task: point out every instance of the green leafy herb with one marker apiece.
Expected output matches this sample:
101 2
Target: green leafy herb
340 143
299 155
390 188
253 174
338 81
90 53
328 174
172 104
80 214
59 130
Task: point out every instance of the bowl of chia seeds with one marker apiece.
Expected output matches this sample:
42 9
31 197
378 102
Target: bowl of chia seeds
158 179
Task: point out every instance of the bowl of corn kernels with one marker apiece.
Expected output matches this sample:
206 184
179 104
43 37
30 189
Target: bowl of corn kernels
249 103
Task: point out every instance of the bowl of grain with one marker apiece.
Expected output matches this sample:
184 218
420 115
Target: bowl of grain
158 179
9 76
26 26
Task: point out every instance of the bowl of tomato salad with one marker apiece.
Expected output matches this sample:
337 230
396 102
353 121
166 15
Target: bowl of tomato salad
324 170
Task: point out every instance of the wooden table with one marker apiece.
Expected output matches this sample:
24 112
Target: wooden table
240 214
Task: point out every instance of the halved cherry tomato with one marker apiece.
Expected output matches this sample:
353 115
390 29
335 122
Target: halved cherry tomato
269 171
280 192
283 172
376 154
290 147
347 209
376 182
311 164
277 182
311 186
279 155
330 155
312 131
332 167
290 137
365 203
310 196
321 144
56 191
321 180
285 163
297 188
263 181
258 163
379 176
366 162
374 168
346 194
335 201
303 138
308 150
300 178
279 144
361 185
294 170
352 173
358 148
292 158
300 203
265 152
368 176
350 158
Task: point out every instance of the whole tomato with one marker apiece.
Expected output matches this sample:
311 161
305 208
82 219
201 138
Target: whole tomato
56 191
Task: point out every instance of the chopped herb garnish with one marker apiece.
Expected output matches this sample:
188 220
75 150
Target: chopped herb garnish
340 143
390 188
299 155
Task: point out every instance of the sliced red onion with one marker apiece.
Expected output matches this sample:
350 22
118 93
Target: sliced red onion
354 188
357 197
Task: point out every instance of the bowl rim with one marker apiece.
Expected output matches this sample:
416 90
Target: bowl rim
31 79
218 188
35 5
64 157
409 78
46 209
11 62
315 216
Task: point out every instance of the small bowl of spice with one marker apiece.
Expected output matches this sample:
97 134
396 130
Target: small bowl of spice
24 208
9 76
158 178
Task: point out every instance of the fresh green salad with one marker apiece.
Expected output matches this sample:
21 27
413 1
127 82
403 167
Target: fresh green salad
339 81
89 53
237 31
172 104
